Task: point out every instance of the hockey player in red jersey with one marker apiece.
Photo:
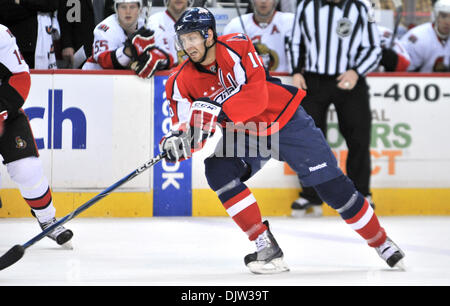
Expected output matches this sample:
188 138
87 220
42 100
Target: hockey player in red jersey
224 82
17 144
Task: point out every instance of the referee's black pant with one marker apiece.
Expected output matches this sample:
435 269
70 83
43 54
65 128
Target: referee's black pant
354 121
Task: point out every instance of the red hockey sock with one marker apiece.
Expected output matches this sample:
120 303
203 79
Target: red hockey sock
366 224
40 202
245 212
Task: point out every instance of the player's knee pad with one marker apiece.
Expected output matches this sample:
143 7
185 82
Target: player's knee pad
223 171
28 174
340 193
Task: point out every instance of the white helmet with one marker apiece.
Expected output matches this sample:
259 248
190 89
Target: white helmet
127 1
441 6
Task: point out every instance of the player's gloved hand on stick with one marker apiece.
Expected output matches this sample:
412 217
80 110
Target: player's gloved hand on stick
181 142
177 144
151 61
139 42
3 117
204 115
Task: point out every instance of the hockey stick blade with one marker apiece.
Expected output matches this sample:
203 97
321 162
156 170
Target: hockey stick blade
12 256
17 251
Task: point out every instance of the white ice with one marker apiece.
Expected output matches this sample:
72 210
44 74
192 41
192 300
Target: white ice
209 251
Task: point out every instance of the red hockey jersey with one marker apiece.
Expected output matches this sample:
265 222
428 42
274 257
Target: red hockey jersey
239 82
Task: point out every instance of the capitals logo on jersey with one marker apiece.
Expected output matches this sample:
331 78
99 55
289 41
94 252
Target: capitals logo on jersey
225 91
238 37
221 90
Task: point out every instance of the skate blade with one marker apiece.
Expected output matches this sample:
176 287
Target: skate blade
274 266
312 211
67 246
400 265
298 213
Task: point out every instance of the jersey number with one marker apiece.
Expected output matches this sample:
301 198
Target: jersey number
18 56
100 45
252 58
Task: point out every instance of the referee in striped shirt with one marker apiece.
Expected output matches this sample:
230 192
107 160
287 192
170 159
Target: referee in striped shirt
335 43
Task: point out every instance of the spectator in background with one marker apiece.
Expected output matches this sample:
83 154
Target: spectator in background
122 42
77 22
394 56
33 24
163 24
428 44
269 30
109 8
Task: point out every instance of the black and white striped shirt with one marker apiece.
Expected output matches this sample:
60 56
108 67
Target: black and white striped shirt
332 38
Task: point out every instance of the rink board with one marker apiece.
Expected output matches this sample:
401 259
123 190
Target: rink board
272 202
94 128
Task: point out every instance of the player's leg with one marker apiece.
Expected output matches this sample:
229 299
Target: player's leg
310 156
20 155
226 176
341 194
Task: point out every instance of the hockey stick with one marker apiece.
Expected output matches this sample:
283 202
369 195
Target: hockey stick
398 10
147 7
240 16
17 251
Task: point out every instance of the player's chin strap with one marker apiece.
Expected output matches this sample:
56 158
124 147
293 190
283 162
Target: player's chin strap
441 36
206 51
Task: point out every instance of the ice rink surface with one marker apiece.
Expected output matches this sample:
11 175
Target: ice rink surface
187 251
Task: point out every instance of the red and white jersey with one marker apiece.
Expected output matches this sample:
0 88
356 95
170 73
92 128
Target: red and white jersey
385 42
428 52
271 40
238 81
14 71
10 56
163 24
108 36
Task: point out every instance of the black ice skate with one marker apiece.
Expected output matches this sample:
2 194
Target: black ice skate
60 234
268 257
391 253
305 208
